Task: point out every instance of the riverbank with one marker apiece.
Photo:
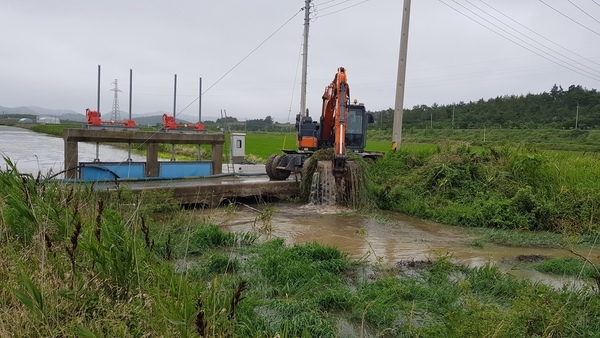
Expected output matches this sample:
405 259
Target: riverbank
510 187
74 264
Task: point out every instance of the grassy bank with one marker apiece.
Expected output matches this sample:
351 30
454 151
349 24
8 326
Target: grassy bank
508 187
548 139
75 263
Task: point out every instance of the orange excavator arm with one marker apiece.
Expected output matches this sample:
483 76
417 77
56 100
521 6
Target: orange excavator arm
334 116
341 111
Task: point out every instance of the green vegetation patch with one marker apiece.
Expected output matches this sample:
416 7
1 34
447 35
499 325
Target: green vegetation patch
568 266
510 187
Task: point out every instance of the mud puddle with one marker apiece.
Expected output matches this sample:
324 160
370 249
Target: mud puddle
387 238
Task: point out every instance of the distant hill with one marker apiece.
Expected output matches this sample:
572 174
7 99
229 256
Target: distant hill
52 112
17 110
151 118
62 114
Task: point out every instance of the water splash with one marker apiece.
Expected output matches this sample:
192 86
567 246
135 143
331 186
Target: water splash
327 190
323 187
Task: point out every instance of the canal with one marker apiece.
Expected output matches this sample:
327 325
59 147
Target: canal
35 153
387 238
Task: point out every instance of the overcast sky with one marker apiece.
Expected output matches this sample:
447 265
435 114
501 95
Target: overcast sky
459 50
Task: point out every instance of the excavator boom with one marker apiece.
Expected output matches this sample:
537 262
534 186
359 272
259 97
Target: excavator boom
336 99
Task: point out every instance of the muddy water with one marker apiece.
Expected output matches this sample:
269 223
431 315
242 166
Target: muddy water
34 152
387 238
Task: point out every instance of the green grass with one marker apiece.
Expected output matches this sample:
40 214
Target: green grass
550 139
568 266
52 129
261 145
76 263
520 238
512 187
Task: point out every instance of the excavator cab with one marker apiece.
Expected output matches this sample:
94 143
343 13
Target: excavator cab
356 131
306 132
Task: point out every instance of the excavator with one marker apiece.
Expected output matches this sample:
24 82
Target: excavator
342 126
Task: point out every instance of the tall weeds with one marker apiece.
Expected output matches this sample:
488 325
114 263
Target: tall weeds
510 187
93 265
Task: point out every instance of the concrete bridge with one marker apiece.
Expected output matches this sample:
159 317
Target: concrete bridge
210 191
72 137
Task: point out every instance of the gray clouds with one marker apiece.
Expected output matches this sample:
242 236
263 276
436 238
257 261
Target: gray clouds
50 52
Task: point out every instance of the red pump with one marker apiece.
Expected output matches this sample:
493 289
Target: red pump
94 121
169 124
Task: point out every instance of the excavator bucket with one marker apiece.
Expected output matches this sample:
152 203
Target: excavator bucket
339 166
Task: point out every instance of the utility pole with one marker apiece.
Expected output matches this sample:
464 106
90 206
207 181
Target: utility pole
200 102
130 90
98 97
577 115
305 57
116 114
484 132
431 118
399 105
174 96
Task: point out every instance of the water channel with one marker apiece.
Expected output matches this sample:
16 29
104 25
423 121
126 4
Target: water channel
35 153
387 237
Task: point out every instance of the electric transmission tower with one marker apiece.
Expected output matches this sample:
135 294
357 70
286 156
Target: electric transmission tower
116 114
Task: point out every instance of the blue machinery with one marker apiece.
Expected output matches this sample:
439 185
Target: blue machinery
104 171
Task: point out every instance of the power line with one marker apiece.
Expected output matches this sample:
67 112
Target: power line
575 21
541 36
326 2
295 79
527 43
244 58
345 8
589 69
335 5
584 12
515 42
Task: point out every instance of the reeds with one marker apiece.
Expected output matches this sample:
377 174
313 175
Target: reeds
111 280
510 187
71 251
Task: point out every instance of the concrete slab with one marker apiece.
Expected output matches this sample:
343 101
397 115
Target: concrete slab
244 168
211 191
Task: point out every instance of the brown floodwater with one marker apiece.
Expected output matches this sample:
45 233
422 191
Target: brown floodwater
386 237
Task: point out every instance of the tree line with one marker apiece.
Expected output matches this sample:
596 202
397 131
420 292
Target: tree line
232 124
576 107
